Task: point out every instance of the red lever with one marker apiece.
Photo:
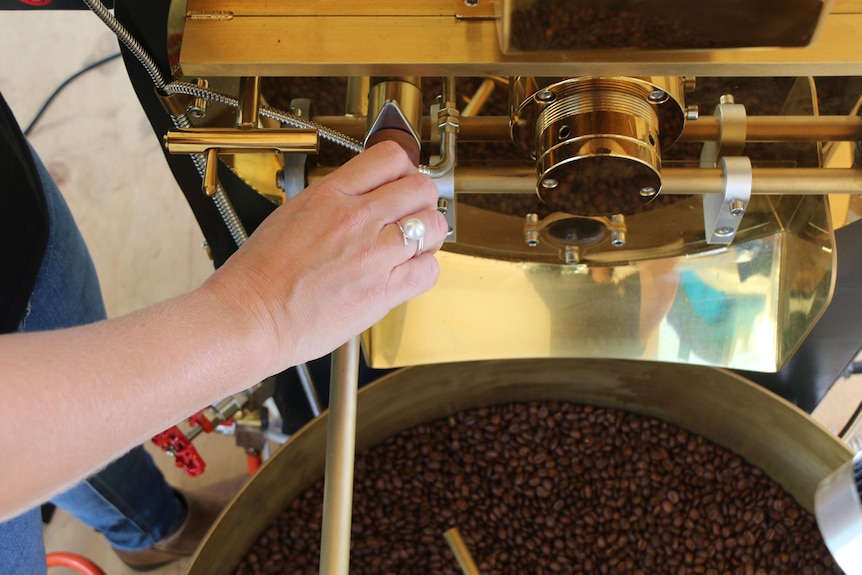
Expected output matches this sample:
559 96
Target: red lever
185 455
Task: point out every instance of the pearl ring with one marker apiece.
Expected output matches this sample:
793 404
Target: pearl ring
413 229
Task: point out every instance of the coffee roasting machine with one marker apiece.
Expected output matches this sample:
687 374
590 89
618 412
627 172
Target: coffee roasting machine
651 181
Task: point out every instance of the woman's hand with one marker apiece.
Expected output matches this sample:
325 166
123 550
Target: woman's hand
330 262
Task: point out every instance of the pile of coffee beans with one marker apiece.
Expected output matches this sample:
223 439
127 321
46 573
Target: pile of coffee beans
566 25
553 488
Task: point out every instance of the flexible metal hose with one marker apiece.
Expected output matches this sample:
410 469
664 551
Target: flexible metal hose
326 133
222 202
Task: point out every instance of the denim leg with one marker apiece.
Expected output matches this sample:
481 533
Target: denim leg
21 547
129 501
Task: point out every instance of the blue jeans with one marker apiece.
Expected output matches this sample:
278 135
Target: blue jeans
128 501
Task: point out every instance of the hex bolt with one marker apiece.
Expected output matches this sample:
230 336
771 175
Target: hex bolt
443 205
618 239
737 208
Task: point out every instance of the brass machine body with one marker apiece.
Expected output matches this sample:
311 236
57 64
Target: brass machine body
585 111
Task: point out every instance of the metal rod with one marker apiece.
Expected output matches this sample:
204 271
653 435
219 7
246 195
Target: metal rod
340 452
308 388
248 111
227 140
477 102
462 554
210 181
704 129
675 181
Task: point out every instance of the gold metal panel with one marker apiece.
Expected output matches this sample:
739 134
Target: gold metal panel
767 431
745 306
384 38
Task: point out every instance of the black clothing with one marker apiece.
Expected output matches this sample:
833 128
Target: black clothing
23 222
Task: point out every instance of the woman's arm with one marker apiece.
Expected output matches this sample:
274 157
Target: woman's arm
319 270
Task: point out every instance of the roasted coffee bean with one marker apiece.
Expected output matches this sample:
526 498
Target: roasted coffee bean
668 502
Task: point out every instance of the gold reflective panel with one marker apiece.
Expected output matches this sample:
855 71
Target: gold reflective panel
744 306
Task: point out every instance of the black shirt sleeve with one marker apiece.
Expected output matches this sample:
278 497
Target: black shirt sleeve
23 222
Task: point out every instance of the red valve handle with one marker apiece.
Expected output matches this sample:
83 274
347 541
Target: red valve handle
185 455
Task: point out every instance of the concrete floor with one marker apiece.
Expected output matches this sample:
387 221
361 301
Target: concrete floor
100 148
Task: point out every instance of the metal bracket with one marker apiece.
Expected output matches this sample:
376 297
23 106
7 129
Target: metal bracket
392 118
291 178
732 124
723 212
446 201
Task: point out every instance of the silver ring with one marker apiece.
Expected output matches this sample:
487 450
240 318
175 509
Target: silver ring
413 229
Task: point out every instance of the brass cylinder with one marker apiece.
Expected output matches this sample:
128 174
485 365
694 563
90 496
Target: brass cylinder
405 91
591 135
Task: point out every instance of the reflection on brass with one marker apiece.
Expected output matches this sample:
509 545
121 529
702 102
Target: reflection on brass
665 296
724 408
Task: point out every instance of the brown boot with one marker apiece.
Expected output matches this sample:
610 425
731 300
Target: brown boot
202 509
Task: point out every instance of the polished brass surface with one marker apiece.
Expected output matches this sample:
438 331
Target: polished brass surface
406 92
765 430
591 134
667 295
310 38
227 141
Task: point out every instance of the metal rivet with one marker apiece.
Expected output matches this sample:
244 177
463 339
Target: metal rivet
550 183
648 192
724 232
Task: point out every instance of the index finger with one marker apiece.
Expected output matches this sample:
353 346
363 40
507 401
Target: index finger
378 165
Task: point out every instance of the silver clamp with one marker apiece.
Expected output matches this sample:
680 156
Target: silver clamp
732 126
723 212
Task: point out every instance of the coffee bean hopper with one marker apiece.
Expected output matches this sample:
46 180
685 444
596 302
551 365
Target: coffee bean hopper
652 206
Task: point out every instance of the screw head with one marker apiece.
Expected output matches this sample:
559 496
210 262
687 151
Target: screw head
658 96
545 96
